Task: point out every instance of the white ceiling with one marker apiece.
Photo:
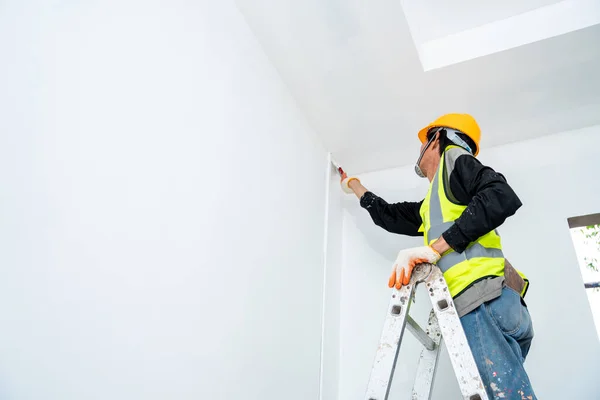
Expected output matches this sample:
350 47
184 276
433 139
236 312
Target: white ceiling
432 19
369 75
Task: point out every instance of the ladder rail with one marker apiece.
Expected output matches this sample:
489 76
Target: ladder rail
428 362
380 380
451 329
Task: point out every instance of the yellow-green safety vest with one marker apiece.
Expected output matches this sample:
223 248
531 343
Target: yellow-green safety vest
482 258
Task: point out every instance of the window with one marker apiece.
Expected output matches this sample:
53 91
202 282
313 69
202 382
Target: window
585 232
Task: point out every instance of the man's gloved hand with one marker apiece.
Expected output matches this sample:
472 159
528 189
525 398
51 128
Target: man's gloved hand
345 181
406 261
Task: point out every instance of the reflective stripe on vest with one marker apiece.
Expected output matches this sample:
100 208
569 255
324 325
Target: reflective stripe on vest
482 258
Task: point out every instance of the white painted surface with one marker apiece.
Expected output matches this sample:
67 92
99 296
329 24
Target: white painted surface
518 30
355 70
555 177
330 361
433 19
162 208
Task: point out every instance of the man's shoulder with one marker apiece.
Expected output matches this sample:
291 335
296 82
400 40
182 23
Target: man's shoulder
452 155
460 170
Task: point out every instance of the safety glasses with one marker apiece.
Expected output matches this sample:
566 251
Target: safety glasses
430 136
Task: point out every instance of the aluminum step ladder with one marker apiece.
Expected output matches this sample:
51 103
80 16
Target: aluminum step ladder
443 322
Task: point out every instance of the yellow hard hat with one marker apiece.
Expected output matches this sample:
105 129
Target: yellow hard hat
461 122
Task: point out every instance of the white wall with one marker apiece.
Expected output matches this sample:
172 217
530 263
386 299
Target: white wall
162 208
330 373
556 177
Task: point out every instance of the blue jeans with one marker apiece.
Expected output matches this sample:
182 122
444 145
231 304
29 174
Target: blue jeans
500 334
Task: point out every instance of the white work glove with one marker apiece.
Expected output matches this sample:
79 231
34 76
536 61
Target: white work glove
345 181
407 260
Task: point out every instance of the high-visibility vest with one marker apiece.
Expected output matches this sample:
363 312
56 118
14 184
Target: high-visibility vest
482 259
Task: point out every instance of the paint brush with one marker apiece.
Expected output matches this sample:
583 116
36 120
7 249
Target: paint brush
337 167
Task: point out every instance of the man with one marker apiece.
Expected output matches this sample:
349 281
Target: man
458 218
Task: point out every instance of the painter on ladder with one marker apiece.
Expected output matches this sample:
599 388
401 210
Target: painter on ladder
458 218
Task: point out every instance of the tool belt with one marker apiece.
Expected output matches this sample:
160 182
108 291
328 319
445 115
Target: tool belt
512 278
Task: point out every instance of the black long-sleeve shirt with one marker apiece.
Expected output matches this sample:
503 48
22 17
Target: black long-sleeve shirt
485 192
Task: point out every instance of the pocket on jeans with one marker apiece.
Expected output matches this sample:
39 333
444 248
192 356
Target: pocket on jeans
506 311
